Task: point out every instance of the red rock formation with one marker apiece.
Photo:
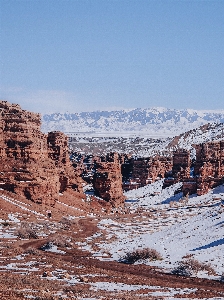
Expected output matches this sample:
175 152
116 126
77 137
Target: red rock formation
159 166
148 170
189 186
209 166
181 164
140 172
107 180
58 152
181 172
31 163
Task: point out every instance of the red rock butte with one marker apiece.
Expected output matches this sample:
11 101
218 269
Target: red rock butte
107 180
33 164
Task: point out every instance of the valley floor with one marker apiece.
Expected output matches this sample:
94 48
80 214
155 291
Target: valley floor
80 255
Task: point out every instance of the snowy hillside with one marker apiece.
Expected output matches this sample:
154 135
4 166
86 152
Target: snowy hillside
159 122
205 133
180 231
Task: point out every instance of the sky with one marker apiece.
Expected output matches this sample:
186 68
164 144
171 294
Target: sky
87 55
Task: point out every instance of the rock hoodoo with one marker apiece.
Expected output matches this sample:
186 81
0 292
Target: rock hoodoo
107 180
32 163
207 169
209 165
181 171
181 164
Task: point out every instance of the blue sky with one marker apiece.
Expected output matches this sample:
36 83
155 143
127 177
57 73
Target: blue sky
84 55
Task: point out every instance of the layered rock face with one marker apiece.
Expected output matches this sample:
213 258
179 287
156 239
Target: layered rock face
181 171
181 164
32 164
107 181
209 166
69 175
140 172
148 170
159 166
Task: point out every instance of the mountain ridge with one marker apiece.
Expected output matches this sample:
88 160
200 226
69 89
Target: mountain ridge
163 121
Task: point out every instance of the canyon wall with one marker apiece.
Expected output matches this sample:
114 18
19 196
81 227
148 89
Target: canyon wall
207 170
209 165
33 164
181 164
138 172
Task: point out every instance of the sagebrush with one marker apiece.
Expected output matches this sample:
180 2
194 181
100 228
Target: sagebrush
141 254
26 231
192 266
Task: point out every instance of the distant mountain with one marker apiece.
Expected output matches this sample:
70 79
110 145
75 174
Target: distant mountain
159 122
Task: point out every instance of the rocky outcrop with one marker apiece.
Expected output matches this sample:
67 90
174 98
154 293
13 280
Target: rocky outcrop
181 171
69 174
181 164
208 168
159 166
144 171
33 164
209 165
107 180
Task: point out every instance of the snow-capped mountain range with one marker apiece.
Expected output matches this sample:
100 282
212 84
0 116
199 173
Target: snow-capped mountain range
151 122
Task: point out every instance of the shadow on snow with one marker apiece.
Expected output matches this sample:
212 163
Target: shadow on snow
213 244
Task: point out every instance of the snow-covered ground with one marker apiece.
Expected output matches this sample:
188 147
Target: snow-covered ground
160 220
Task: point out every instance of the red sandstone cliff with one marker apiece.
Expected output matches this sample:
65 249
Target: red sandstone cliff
209 166
33 164
107 180
148 170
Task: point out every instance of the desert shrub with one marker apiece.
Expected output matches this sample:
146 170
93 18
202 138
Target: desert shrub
139 210
141 254
43 223
173 204
45 297
182 270
188 256
59 240
56 240
190 266
46 246
25 231
66 222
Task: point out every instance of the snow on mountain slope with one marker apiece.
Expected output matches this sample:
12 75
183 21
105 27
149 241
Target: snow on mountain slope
205 133
158 122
